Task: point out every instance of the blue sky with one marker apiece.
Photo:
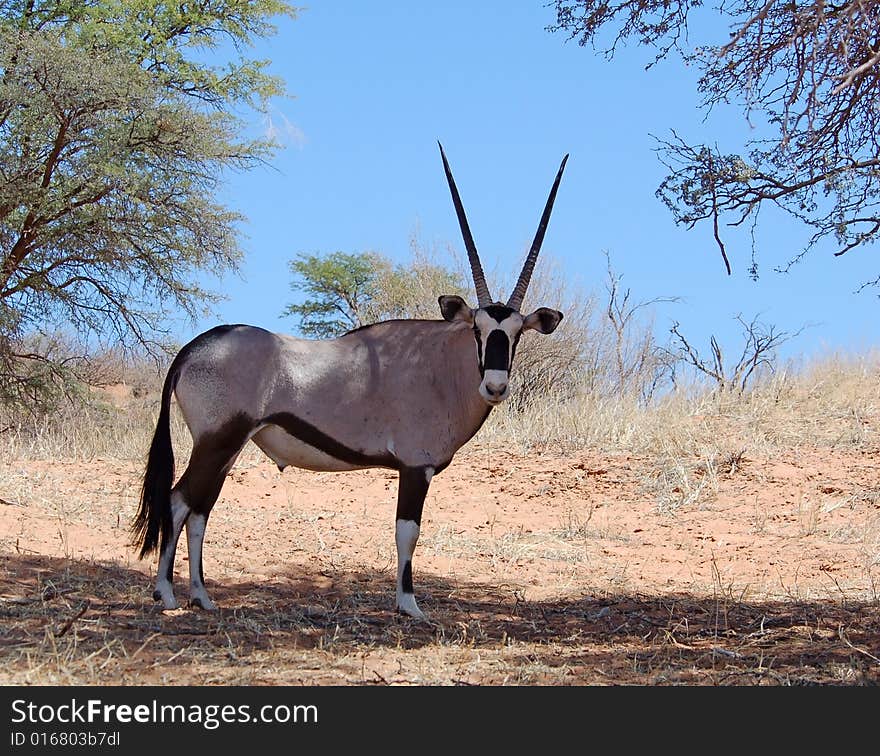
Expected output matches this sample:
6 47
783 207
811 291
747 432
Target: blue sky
376 85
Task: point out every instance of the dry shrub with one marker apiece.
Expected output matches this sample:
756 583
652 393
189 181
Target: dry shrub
830 401
604 346
412 290
693 434
109 410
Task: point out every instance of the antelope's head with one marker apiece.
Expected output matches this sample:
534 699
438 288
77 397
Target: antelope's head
496 326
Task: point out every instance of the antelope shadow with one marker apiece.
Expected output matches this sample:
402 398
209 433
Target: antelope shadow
672 638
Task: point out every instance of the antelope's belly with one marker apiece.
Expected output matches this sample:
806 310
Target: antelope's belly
285 450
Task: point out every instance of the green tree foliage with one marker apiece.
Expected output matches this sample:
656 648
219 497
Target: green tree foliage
411 290
338 286
810 69
345 291
114 137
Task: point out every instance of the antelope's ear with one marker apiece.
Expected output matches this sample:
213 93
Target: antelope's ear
454 309
543 320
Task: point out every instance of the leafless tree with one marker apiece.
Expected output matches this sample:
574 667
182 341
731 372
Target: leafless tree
640 363
758 354
810 69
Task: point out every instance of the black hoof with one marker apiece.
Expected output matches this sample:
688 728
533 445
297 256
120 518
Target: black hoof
157 596
197 603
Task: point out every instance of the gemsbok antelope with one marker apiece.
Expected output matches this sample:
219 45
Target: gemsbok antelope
401 394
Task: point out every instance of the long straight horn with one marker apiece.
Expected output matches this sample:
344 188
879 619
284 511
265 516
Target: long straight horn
519 291
483 296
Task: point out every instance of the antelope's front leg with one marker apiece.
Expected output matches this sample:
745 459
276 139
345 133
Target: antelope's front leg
411 491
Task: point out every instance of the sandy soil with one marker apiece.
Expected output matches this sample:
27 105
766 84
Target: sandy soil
539 569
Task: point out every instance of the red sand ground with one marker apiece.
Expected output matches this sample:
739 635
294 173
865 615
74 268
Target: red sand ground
544 569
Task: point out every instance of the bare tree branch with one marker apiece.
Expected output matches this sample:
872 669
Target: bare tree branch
760 345
810 68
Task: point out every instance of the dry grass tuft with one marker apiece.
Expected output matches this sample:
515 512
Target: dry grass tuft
693 434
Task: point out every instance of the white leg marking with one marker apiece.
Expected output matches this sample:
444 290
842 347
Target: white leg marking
195 535
406 536
406 602
429 473
164 589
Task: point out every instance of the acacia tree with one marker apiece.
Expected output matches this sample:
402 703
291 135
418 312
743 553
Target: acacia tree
810 68
338 286
114 137
348 290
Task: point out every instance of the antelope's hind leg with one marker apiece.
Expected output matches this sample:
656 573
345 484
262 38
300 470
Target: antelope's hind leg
164 591
199 486
411 491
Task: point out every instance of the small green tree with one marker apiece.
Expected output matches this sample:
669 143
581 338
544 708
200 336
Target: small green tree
339 286
346 291
411 290
114 137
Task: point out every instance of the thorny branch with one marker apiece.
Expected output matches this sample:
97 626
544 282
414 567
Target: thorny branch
811 69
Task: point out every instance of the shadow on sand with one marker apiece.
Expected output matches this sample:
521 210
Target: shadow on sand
675 638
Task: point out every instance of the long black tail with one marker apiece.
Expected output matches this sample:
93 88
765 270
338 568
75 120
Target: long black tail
153 518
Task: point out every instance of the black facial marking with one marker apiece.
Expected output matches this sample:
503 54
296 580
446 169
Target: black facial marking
406 582
479 350
513 350
497 351
498 312
309 434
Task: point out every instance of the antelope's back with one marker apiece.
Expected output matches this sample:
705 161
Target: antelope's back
406 387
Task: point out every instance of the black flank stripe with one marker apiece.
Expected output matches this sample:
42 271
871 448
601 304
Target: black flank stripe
309 434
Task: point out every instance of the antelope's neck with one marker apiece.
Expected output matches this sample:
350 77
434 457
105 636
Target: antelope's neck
465 376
